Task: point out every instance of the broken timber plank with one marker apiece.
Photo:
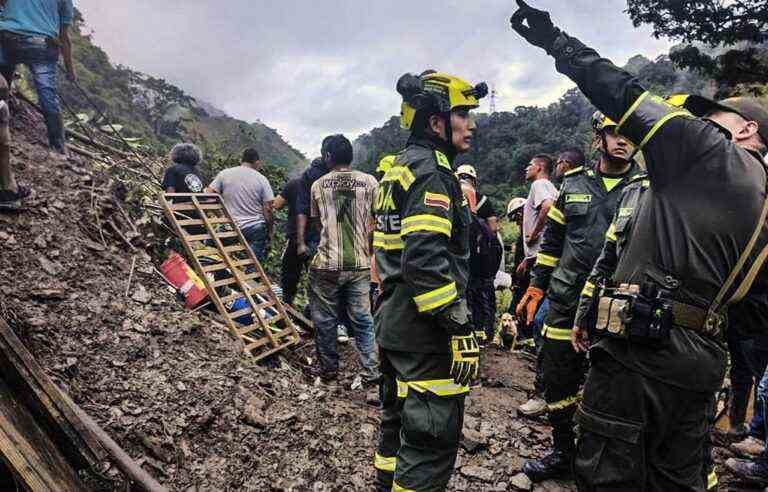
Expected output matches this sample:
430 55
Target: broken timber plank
29 452
44 399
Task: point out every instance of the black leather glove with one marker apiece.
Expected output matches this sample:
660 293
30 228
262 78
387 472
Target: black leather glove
540 31
456 319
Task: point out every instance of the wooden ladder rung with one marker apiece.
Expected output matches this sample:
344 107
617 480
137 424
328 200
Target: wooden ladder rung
283 333
198 237
236 295
242 312
261 343
258 343
190 222
231 297
219 220
234 249
182 206
265 305
215 267
227 234
210 206
250 276
206 252
226 281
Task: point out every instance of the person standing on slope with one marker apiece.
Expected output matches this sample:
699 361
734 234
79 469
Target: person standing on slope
428 351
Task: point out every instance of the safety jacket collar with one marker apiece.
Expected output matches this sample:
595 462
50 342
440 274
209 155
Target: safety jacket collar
434 143
594 173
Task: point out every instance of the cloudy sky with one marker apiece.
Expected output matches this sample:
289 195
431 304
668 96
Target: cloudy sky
313 67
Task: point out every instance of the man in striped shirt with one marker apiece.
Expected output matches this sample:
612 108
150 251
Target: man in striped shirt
340 273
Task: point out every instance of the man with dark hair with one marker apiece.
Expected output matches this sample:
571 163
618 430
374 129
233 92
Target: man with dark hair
248 196
182 175
306 239
12 194
292 266
251 155
340 273
570 158
697 246
35 33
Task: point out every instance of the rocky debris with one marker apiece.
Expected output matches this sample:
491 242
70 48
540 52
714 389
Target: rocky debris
173 389
554 486
478 472
521 482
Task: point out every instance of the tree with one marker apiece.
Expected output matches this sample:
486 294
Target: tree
731 36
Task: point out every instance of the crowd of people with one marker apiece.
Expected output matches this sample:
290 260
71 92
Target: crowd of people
637 276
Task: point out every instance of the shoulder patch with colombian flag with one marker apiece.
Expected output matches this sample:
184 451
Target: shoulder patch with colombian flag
437 200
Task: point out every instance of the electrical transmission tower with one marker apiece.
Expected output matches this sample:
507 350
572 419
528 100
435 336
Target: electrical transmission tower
493 99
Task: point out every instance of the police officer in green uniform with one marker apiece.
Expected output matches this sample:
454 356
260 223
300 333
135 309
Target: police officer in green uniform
576 226
601 277
698 243
428 352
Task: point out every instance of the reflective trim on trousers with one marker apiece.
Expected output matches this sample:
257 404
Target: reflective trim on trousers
439 387
384 463
563 404
397 488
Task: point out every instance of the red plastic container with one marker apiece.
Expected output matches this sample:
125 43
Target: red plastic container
181 276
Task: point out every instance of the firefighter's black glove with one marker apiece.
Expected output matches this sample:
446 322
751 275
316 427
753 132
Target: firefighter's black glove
456 319
540 31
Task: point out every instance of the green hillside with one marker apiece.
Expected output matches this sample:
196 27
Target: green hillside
160 113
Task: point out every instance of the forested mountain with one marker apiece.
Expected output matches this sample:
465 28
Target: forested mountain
507 140
160 113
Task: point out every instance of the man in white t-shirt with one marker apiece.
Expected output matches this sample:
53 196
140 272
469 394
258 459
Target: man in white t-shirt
248 196
540 198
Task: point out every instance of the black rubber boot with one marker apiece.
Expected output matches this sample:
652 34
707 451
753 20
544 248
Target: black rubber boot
556 465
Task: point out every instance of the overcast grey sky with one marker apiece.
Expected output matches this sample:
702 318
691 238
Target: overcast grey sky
313 67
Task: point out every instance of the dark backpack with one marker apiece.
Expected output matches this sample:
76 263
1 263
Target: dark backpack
485 249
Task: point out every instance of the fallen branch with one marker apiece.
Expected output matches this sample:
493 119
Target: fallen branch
122 460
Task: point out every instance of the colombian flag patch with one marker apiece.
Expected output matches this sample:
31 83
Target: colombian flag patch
437 200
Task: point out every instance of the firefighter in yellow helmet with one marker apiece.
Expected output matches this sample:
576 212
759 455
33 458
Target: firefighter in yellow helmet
427 348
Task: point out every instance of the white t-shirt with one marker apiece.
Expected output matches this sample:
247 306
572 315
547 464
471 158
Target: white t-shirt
244 191
541 189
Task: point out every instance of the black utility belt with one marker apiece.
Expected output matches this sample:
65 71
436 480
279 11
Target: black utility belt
41 40
646 314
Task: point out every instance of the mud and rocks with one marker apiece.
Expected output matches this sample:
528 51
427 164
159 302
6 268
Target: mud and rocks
172 387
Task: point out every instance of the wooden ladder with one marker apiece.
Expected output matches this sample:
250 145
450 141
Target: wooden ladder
267 334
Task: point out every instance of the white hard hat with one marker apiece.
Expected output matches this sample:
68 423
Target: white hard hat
515 204
468 170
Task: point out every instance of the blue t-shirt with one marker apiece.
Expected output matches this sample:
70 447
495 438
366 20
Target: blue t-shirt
37 17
